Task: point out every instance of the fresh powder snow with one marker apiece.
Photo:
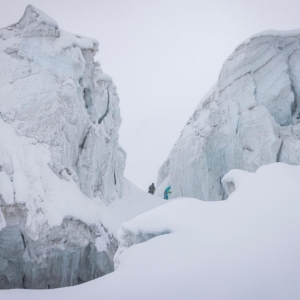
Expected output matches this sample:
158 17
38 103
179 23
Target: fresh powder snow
246 247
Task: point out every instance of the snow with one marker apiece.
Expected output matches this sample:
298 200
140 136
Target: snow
62 191
45 122
133 203
246 247
66 40
61 164
57 215
58 198
52 90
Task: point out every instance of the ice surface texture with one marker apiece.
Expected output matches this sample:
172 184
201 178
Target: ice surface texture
60 160
54 92
248 119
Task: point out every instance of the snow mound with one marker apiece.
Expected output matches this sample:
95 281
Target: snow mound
248 119
246 247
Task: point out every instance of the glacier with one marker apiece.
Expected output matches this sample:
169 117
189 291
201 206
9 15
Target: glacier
249 118
61 166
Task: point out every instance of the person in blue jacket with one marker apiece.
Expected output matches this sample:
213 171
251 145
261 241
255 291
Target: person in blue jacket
167 192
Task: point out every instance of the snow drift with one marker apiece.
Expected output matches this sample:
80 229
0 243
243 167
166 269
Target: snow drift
248 119
246 247
60 161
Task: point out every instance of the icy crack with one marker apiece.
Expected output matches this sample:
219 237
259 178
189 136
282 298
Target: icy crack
107 108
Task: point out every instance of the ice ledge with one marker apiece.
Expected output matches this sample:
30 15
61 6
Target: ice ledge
132 233
233 179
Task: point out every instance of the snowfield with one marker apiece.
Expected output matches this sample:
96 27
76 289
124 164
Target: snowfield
246 247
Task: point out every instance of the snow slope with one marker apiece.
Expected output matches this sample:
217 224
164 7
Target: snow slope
246 247
42 214
51 223
248 119
60 161
133 202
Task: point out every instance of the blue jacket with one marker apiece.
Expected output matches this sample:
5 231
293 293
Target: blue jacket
167 192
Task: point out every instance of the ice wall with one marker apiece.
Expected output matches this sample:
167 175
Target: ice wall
60 160
249 118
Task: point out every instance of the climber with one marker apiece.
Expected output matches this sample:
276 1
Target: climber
167 192
151 189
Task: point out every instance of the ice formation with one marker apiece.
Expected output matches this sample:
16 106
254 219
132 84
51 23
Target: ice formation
60 161
251 117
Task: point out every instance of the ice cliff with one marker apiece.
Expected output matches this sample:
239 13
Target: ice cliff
248 119
60 160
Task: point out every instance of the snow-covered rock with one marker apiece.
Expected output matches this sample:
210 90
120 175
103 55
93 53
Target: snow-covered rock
246 247
249 118
60 161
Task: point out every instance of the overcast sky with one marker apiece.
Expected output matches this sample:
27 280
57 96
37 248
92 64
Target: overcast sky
163 55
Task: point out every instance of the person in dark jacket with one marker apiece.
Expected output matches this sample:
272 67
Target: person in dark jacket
167 192
151 189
